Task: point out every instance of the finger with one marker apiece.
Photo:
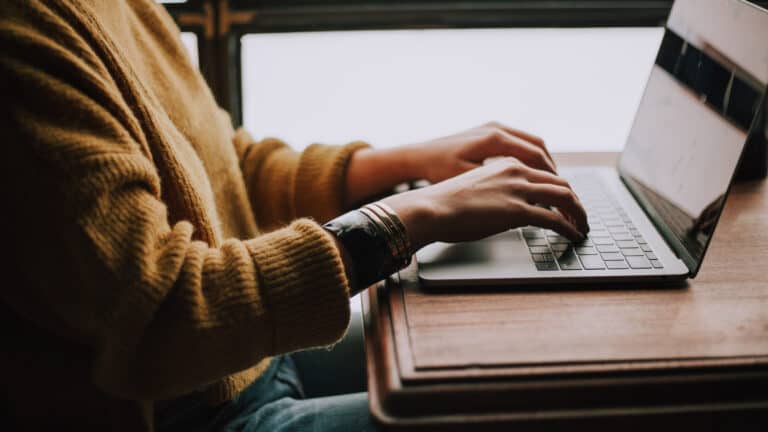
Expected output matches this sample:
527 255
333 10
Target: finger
518 133
536 140
539 176
527 152
562 198
465 166
549 219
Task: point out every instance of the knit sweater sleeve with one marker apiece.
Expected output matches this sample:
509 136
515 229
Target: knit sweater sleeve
284 184
162 313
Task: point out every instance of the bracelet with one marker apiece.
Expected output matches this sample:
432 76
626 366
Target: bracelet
385 229
391 223
406 241
375 240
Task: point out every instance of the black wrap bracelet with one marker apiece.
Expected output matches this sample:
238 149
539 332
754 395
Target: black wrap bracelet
370 247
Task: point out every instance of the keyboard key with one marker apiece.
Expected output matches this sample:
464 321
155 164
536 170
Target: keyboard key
599 233
622 237
633 252
617 230
656 264
541 257
560 247
592 262
546 265
532 233
616 265
651 256
582 250
626 244
635 232
536 242
569 261
639 262
612 256
640 240
539 250
607 248
557 239
646 248
613 223
602 241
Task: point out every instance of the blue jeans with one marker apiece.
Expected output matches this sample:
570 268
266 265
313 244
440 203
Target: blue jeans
274 402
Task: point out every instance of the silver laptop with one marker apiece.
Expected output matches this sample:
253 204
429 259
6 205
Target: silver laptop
652 217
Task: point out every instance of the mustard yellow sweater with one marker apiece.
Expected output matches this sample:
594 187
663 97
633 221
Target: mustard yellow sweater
151 250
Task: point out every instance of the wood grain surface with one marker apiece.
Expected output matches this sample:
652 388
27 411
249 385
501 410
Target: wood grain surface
482 341
721 313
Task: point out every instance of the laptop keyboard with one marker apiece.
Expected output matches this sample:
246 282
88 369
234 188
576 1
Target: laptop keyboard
613 242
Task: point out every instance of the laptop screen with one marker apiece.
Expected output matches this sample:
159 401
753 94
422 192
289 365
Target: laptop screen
704 94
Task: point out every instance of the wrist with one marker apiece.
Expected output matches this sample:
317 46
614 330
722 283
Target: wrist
411 160
375 171
400 164
417 215
372 243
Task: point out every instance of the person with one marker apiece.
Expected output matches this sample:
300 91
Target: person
160 264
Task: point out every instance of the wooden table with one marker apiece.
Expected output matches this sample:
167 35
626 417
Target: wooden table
524 358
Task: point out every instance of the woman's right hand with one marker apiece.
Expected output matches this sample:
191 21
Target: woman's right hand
495 197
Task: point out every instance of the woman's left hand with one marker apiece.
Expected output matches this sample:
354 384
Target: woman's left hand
373 171
449 156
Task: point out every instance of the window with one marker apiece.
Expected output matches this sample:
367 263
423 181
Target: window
189 39
576 87
570 70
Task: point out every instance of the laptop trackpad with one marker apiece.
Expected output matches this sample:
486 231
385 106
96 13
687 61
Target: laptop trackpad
506 248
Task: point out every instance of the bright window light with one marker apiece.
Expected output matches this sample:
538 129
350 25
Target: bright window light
577 88
189 40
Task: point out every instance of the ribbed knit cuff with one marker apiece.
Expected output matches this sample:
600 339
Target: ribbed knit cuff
272 188
321 180
303 285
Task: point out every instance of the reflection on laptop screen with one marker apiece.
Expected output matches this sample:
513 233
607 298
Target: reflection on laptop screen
702 97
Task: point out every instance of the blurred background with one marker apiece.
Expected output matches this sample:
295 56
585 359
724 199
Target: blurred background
577 88
395 72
